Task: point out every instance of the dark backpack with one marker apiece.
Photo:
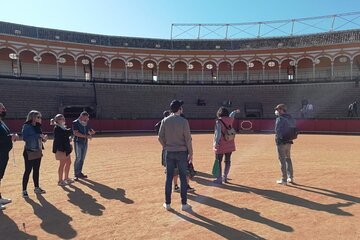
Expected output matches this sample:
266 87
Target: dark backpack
290 131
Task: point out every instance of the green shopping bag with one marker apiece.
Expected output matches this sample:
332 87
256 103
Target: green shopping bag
216 168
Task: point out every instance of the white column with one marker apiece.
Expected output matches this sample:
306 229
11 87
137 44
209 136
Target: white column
351 70
172 73
75 69
92 70
57 68
247 73
109 72
314 71
142 72
187 74
38 69
126 72
202 74
157 72
217 74
332 69
279 72
232 74
296 72
263 73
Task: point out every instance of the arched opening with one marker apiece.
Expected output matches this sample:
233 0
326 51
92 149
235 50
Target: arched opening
225 74
118 69
66 66
134 70
165 71
8 62
48 68
150 71
287 71
84 68
342 67
271 71
195 72
323 68
255 71
180 72
27 65
356 67
101 69
240 72
210 72
304 69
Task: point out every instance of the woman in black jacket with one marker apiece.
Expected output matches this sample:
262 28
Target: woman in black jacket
62 148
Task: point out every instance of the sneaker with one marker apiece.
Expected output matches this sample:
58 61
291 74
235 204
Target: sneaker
81 175
69 180
4 201
38 190
190 189
290 180
185 207
176 188
281 182
62 183
25 194
2 207
167 206
217 182
225 180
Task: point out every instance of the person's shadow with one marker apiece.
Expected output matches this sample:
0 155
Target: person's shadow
298 201
244 213
106 191
87 203
53 220
326 192
10 231
216 227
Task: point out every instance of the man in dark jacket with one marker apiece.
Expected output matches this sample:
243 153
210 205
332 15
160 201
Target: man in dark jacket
283 126
6 143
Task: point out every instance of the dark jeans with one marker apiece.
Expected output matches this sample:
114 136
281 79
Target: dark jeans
173 160
227 165
31 165
4 158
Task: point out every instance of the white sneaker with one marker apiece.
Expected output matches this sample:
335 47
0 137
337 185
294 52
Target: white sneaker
4 201
290 180
62 183
2 207
185 207
281 182
167 206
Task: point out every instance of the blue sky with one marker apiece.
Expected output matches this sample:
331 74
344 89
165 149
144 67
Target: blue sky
153 18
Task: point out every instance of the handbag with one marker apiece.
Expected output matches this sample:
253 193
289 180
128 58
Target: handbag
34 154
216 168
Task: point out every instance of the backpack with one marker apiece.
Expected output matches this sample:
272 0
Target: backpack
290 131
229 133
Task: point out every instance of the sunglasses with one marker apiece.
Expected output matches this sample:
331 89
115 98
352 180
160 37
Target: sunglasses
38 117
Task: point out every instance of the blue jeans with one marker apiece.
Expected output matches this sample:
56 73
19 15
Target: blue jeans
285 161
80 153
173 160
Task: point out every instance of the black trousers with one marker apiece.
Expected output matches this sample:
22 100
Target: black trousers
4 158
31 165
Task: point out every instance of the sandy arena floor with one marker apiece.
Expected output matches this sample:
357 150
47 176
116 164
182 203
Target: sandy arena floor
124 194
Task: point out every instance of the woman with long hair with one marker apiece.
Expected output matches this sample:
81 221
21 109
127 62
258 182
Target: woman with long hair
221 145
34 139
62 148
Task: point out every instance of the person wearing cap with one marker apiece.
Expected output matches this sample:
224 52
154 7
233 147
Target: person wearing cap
6 143
82 132
175 137
284 145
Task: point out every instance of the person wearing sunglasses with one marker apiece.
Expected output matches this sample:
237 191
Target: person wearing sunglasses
34 139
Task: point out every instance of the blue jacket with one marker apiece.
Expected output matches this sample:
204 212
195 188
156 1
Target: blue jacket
31 136
280 127
77 126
